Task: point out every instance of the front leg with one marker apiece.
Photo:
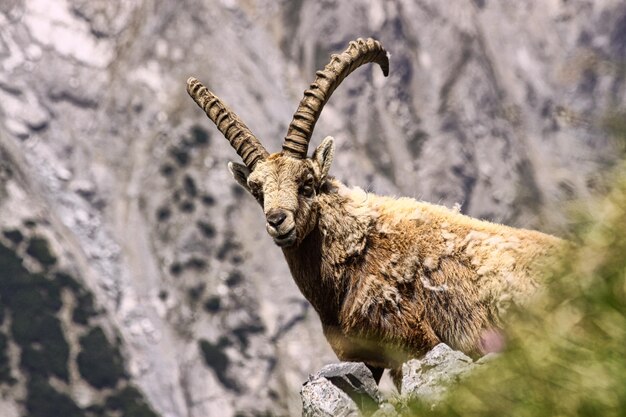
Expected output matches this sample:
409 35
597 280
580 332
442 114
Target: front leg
396 377
355 349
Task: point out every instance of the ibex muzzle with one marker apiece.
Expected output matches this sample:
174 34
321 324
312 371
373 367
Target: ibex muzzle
280 226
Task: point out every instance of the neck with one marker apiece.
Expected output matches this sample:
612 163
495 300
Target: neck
319 263
305 264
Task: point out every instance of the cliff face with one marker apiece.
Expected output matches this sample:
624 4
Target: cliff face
503 108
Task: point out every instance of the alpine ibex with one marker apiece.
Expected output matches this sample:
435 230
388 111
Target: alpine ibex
389 277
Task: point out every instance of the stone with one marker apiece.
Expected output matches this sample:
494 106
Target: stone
351 377
428 379
321 398
355 383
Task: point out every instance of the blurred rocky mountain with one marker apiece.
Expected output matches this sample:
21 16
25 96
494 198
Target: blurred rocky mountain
110 175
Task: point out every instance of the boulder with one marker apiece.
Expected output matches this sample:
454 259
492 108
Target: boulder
341 389
428 379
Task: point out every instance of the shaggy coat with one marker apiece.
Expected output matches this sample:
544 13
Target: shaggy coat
391 278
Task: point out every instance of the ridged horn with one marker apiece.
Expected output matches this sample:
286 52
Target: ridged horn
326 81
233 129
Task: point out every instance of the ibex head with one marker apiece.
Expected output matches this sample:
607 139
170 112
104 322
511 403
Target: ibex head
287 183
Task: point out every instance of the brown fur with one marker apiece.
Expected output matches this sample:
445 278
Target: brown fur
391 278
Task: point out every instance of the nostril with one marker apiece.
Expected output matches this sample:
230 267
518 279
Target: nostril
275 219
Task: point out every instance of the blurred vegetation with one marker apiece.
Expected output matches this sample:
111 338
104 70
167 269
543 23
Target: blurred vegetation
566 355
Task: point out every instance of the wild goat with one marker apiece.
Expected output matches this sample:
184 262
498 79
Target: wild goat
390 278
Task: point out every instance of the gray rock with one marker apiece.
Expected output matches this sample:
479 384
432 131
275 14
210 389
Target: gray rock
428 379
352 378
322 398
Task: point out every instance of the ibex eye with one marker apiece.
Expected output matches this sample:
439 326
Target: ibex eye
258 195
307 189
254 186
256 190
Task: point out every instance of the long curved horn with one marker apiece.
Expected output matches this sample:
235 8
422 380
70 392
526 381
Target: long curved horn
237 133
340 66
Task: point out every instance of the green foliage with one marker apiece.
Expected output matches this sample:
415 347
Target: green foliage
5 366
34 323
10 264
130 403
33 301
566 355
84 308
46 358
67 281
38 249
14 235
98 362
45 401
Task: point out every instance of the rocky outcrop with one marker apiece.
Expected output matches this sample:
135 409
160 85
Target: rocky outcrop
59 353
498 106
348 388
342 389
428 379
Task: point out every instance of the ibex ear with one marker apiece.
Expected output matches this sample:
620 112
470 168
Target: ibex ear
240 173
323 155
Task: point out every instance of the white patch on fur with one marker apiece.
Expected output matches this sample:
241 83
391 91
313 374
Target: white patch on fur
430 262
429 285
483 270
447 235
449 250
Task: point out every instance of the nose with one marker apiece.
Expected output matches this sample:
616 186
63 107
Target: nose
275 217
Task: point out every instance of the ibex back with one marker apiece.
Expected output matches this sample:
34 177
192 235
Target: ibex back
390 278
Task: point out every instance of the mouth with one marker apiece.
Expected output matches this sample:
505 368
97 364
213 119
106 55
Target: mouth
286 239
